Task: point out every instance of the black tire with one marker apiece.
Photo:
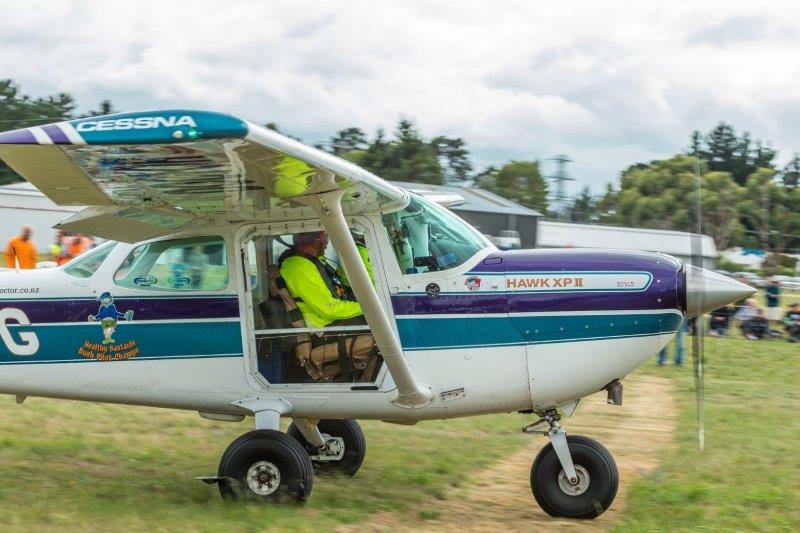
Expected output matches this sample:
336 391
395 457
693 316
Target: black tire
603 480
258 450
355 445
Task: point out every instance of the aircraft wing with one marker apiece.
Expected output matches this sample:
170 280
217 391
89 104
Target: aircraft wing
152 173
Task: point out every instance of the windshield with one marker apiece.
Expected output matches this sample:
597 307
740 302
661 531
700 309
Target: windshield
84 266
426 237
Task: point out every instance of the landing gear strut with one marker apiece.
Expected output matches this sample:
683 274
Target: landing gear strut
573 476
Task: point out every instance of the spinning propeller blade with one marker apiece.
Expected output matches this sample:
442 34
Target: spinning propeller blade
699 283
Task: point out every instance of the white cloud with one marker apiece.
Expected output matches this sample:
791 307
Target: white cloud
608 83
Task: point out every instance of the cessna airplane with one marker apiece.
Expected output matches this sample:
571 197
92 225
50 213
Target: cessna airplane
185 307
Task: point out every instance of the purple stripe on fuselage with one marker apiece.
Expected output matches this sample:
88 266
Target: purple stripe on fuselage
56 135
533 302
573 260
50 311
17 137
663 292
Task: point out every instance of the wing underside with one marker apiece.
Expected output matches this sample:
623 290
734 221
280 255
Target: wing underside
183 168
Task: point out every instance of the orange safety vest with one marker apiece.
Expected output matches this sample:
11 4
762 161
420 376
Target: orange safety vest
25 251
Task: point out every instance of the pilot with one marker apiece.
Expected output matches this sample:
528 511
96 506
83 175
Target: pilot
320 295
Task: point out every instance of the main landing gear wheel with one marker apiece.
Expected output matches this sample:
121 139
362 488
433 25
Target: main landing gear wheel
594 490
355 445
266 466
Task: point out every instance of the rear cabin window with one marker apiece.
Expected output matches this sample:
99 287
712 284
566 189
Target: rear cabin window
193 264
86 265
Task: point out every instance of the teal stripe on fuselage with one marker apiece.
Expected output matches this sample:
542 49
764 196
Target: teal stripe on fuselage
163 340
476 331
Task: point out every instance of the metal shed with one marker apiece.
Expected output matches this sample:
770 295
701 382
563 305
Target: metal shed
676 243
22 203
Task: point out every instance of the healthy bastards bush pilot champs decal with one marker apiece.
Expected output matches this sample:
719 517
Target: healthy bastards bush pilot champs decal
107 349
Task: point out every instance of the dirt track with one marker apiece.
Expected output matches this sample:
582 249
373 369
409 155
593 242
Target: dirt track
501 498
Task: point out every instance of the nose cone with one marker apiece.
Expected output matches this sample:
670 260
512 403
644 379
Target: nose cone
706 290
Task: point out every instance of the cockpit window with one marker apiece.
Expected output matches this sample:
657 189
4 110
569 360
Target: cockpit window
86 265
194 264
426 237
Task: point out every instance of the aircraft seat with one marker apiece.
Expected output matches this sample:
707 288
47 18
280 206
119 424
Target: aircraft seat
323 359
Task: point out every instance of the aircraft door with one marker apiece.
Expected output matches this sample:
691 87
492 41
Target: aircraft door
307 325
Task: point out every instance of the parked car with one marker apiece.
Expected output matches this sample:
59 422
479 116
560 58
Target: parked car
508 239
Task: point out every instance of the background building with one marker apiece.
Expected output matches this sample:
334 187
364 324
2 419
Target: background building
676 243
22 203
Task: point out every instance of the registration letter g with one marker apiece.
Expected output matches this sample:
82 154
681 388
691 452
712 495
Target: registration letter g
29 344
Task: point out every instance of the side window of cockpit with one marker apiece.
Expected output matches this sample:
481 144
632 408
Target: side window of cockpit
426 237
193 264
85 266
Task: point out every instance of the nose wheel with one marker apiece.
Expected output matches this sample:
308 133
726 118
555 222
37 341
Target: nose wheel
573 476
267 466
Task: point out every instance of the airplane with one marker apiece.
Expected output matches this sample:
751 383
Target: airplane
185 306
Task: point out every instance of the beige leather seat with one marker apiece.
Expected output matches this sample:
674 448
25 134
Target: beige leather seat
323 361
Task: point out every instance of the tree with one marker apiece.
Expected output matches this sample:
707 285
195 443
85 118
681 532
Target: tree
583 207
453 157
347 140
105 108
719 197
405 158
790 175
724 151
769 212
663 195
520 181
606 207
21 111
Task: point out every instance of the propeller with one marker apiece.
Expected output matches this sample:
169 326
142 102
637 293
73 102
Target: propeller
697 340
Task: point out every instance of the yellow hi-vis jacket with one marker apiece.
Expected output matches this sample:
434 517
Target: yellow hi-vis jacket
362 251
314 299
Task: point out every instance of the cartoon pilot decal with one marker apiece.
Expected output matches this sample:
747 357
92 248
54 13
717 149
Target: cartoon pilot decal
108 316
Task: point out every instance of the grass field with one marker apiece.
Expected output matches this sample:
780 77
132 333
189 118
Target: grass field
69 465
72 466
747 478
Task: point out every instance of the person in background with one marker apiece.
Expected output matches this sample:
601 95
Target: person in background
87 242
792 322
76 246
756 328
773 291
719 321
22 248
55 251
662 355
746 312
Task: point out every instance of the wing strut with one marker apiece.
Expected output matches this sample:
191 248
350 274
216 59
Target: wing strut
328 207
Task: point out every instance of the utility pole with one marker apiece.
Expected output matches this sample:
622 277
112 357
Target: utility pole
560 179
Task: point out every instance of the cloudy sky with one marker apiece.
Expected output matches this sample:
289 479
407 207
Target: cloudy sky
608 83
